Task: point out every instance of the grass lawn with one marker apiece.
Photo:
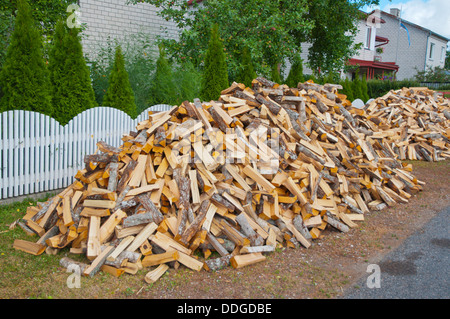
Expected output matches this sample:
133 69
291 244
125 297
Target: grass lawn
323 271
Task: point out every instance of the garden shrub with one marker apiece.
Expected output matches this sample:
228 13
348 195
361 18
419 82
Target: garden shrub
246 71
296 72
215 73
347 89
163 89
76 93
119 94
24 77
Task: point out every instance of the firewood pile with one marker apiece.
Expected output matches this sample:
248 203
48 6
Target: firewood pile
219 183
413 121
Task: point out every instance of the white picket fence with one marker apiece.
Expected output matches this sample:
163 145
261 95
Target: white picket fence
39 155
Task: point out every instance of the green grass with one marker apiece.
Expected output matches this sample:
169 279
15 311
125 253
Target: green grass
20 269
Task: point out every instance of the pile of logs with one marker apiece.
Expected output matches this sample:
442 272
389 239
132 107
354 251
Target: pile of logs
212 184
413 121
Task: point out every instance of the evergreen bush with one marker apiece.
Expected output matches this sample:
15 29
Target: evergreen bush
188 82
247 72
24 77
119 94
56 65
356 88
215 74
75 93
275 74
347 89
163 89
295 73
364 90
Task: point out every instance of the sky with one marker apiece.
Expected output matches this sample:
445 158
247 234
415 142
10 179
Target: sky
430 14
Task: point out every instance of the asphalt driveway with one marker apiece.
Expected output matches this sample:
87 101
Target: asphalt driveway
418 269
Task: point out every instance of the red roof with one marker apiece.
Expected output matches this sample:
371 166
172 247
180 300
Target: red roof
375 64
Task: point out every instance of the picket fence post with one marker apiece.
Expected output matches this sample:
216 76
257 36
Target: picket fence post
39 155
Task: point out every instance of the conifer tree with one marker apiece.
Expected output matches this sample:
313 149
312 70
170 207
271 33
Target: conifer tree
275 75
119 94
356 87
188 82
296 73
71 73
24 77
247 72
215 74
365 90
56 61
163 88
347 89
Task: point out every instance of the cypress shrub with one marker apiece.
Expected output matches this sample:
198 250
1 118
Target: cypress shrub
119 94
356 88
163 89
296 72
75 93
347 89
24 77
275 75
188 82
364 89
215 74
247 72
56 62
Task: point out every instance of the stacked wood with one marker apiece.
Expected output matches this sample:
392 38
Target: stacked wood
413 122
260 168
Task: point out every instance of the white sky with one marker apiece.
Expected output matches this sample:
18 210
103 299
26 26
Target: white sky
430 14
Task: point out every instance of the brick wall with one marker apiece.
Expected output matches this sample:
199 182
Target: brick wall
115 19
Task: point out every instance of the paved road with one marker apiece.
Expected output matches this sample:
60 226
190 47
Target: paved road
418 269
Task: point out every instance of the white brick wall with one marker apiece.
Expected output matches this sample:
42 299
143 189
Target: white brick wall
115 19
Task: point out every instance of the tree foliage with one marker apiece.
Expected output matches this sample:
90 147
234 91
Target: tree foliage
447 60
275 75
24 77
56 65
70 73
436 74
45 13
119 93
163 86
246 72
347 89
215 74
272 30
296 72
332 36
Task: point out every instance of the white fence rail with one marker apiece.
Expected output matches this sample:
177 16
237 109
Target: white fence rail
39 155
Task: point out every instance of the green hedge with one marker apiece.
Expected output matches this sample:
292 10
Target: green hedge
377 88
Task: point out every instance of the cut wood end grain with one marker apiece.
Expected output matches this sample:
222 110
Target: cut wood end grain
262 167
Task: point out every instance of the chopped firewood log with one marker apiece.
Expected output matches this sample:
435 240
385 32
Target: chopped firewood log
29 247
262 167
153 276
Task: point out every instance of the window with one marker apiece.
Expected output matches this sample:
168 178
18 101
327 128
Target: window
442 54
368 38
431 51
